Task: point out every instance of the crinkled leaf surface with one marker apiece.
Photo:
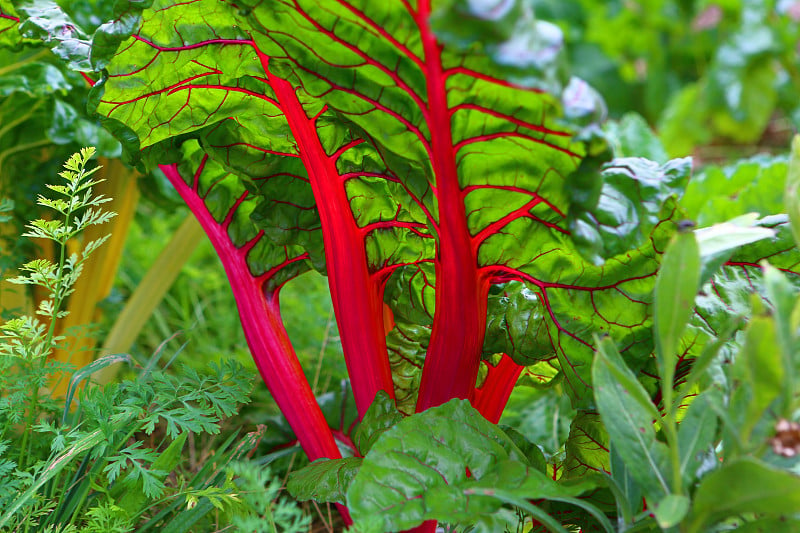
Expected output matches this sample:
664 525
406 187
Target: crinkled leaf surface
443 464
381 416
324 480
496 160
718 194
619 208
47 22
230 204
444 163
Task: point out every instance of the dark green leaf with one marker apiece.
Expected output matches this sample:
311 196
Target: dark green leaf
324 480
443 464
382 415
532 452
516 325
618 209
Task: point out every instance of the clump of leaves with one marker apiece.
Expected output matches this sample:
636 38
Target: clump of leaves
114 462
265 511
27 340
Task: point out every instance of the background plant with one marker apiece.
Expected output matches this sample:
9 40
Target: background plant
102 465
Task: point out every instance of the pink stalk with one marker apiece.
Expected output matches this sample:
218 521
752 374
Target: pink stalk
263 328
357 301
459 323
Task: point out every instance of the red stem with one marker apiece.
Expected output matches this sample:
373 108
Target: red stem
459 324
491 398
356 297
266 336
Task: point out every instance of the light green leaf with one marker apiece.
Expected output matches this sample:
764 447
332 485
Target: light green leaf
792 195
671 510
676 287
743 486
630 422
696 434
718 242
760 372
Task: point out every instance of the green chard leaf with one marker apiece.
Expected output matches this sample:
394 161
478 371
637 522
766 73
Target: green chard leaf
447 463
493 166
420 179
324 480
381 416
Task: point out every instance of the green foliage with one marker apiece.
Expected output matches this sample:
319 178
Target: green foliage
716 464
585 271
90 469
265 511
704 72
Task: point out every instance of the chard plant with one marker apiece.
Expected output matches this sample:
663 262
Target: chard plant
437 162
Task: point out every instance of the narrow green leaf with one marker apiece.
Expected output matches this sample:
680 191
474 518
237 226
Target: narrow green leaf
676 287
696 434
629 501
53 467
629 421
783 296
792 195
625 378
85 372
744 486
760 373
